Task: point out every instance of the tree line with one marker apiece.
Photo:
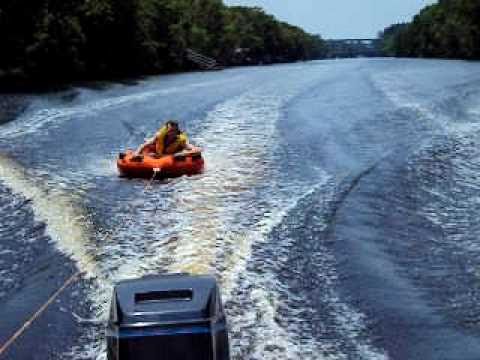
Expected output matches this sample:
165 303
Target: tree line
448 29
45 41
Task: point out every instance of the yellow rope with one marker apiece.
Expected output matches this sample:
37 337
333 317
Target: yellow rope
39 312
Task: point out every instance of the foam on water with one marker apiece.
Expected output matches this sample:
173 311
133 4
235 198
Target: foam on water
399 94
205 224
198 220
238 164
271 320
213 223
44 119
241 132
445 169
67 225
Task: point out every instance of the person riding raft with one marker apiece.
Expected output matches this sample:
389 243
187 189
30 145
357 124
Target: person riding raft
168 154
168 140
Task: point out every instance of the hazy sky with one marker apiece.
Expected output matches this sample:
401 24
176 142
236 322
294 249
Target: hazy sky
334 19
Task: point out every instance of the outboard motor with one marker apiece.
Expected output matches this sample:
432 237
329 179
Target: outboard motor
169 317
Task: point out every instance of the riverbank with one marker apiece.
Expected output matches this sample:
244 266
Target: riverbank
20 85
446 30
115 39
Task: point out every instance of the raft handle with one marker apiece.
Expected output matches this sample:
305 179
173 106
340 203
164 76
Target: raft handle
179 157
137 158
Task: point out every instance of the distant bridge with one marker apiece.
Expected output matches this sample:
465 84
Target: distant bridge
353 48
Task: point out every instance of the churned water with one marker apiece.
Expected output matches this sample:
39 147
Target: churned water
338 208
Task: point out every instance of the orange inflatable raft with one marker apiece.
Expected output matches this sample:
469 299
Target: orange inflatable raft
166 166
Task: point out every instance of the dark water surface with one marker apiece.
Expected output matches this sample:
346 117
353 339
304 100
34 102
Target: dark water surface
339 208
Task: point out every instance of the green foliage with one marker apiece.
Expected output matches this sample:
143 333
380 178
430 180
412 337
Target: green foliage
256 37
449 29
61 40
389 38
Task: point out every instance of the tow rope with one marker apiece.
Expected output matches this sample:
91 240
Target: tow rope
39 312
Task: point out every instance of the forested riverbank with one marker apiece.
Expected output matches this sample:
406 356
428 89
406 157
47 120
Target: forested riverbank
48 42
449 29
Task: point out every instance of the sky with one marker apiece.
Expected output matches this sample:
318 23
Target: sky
340 19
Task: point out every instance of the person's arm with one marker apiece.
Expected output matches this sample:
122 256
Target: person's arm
189 148
149 142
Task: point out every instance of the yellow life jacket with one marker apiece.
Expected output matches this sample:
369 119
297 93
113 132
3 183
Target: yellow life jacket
172 147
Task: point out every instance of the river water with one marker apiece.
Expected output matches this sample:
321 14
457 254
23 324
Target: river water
338 209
